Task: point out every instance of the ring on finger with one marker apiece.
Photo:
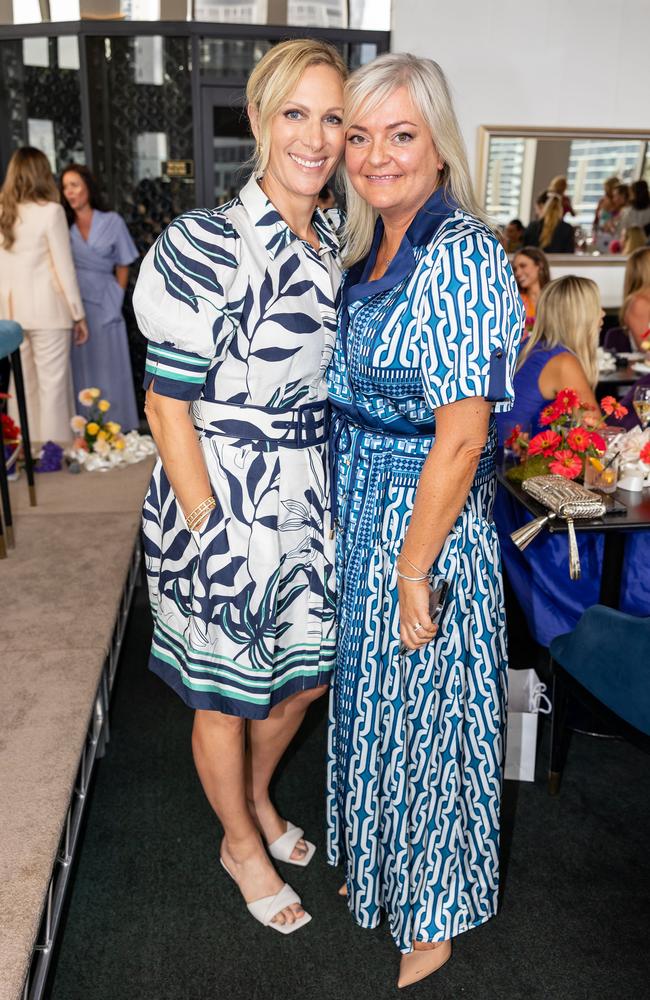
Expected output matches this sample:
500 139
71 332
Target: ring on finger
417 626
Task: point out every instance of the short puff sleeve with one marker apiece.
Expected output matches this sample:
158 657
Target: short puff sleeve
181 301
124 249
471 320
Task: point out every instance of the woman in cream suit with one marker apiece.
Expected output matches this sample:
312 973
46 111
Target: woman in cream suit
38 289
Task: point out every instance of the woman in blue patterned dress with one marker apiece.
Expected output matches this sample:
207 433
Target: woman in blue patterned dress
426 348
239 306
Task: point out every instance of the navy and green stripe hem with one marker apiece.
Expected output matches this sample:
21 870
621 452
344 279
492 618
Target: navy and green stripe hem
218 685
179 374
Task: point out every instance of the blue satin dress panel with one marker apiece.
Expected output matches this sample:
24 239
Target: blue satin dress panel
551 601
104 360
529 401
416 741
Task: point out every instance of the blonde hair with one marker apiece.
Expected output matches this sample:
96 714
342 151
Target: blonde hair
425 82
28 178
637 277
609 185
553 214
558 185
568 314
276 76
634 239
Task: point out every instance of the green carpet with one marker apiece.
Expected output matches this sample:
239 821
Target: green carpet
152 916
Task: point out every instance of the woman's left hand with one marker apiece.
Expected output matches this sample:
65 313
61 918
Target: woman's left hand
414 612
80 332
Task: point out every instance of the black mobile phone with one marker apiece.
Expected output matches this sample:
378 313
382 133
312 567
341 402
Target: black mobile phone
438 594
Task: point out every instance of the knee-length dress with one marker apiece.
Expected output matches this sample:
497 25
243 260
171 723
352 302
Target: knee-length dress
104 360
416 741
241 318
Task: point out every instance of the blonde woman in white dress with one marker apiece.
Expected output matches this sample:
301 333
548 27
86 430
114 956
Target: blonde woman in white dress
239 306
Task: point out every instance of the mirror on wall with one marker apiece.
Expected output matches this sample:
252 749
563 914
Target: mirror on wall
516 165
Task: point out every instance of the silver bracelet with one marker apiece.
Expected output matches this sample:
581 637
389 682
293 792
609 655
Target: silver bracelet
412 579
411 564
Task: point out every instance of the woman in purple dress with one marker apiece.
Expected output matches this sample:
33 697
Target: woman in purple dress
102 250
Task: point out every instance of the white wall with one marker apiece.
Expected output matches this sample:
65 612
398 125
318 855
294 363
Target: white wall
570 63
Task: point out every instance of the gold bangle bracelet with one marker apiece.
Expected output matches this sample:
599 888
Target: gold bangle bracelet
199 512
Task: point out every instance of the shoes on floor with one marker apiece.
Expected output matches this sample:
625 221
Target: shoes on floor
418 965
266 908
282 848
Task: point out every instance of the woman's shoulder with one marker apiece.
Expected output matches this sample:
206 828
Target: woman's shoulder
467 232
638 304
203 232
43 209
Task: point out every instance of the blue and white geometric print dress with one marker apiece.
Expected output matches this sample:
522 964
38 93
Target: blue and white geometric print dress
416 741
240 315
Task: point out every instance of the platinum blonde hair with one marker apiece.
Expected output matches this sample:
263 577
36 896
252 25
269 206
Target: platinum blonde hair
568 314
427 87
274 79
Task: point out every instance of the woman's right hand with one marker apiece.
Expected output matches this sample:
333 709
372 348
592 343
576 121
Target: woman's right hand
415 626
80 332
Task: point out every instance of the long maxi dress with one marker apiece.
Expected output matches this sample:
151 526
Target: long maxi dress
416 741
240 315
104 359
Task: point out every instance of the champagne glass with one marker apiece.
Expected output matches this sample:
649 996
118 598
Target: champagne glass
641 403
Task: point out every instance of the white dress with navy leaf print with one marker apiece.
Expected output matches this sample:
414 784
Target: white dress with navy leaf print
240 315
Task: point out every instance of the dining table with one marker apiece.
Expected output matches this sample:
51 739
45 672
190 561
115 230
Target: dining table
627 512
612 383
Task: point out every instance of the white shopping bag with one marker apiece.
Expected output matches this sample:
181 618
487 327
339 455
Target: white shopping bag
526 699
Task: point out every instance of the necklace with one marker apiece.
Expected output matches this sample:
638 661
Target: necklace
385 259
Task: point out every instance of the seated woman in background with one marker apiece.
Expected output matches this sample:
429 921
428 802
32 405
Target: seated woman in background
102 249
532 274
635 311
549 231
560 352
513 236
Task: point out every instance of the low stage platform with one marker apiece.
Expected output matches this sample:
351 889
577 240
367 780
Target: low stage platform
65 592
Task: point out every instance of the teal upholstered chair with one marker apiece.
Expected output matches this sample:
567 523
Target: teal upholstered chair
605 662
11 337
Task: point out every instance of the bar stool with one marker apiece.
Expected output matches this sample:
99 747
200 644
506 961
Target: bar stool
11 337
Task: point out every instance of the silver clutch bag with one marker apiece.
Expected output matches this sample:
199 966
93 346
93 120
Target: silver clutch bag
564 499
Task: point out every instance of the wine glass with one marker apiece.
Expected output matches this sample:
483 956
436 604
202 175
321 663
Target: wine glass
641 403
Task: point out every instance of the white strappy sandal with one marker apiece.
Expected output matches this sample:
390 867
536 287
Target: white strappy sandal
269 906
282 848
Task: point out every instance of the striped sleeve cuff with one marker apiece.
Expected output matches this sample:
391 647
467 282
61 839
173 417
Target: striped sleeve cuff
179 374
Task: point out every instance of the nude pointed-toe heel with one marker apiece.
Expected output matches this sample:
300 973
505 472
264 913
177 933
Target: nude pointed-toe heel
418 965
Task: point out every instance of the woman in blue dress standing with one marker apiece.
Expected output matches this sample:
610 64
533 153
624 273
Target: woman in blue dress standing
102 250
426 348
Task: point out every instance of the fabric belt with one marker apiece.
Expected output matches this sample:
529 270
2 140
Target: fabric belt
300 427
341 444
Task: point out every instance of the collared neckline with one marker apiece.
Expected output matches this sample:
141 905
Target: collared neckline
438 207
273 231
